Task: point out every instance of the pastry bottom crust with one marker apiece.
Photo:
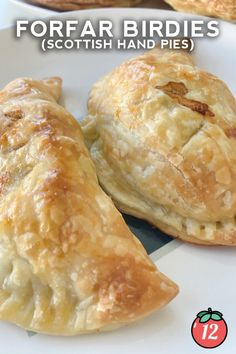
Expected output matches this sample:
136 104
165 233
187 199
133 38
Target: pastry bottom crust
68 5
131 202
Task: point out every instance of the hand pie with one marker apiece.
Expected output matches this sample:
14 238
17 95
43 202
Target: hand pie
67 5
225 9
68 262
162 134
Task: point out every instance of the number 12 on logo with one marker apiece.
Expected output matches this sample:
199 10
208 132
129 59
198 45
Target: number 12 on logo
214 327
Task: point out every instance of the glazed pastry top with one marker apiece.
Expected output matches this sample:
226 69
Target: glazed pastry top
69 263
168 130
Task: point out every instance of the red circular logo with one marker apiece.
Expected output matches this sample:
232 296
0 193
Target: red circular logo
209 329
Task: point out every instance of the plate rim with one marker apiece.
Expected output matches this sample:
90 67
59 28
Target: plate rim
127 12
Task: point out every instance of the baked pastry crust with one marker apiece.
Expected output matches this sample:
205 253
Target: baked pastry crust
68 262
162 134
225 9
67 5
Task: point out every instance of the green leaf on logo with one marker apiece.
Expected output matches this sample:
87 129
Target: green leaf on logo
205 318
201 313
218 313
216 317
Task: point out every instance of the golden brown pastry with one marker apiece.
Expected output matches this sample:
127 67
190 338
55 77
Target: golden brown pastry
162 134
225 9
68 262
67 5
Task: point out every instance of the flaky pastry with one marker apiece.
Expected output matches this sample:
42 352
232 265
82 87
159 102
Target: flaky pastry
225 9
68 262
162 134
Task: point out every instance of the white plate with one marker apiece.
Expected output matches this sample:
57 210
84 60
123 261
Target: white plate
10 10
205 275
